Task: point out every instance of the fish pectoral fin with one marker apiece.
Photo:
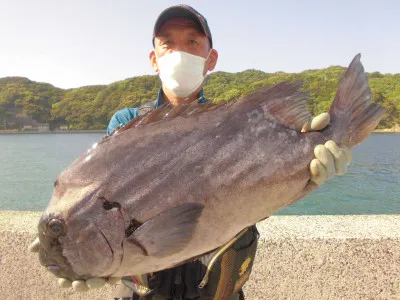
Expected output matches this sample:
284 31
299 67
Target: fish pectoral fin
169 232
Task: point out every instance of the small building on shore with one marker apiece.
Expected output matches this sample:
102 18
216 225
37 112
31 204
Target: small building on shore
64 127
28 128
43 127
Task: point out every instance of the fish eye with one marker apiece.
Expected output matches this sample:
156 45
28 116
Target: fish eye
56 227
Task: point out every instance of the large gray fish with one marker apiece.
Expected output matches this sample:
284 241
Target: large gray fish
154 196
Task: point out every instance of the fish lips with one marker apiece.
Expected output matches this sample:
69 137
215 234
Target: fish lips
73 250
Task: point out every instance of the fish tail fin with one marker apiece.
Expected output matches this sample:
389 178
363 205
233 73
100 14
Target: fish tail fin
353 116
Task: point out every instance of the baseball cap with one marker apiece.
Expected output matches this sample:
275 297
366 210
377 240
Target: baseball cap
182 10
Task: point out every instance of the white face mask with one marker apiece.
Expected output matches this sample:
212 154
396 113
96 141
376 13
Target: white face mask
181 72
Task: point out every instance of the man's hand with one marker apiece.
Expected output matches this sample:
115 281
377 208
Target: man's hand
86 285
330 159
77 285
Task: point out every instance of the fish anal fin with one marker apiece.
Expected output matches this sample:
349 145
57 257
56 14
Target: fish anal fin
169 232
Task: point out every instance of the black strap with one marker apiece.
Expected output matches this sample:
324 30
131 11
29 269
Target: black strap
178 286
135 297
241 295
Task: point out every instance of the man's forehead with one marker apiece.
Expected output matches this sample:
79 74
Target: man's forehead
179 22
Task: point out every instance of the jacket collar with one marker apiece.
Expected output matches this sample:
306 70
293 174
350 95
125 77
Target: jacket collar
160 98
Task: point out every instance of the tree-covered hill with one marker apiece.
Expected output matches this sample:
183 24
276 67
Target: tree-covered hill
91 107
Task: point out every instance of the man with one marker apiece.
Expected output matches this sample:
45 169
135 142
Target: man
183 54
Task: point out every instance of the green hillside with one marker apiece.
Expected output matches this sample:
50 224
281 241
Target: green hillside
91 107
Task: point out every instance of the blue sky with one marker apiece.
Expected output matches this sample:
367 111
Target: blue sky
75 43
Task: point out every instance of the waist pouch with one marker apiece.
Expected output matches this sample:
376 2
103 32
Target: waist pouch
215 276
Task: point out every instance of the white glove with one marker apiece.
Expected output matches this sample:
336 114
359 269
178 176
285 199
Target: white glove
317 123
77 285
86 285
330 159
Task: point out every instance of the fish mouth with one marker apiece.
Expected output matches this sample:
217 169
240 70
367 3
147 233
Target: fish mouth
50 251
63 257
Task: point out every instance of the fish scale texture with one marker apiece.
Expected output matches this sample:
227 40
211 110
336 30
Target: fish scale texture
299 257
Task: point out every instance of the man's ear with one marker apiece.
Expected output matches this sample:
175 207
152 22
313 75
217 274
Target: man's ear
213 58
153 60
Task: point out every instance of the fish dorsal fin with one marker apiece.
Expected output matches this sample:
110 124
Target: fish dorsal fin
283 103
148 117
167 111
169 232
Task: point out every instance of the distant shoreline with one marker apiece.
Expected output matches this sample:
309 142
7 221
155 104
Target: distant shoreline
51 132
395 129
